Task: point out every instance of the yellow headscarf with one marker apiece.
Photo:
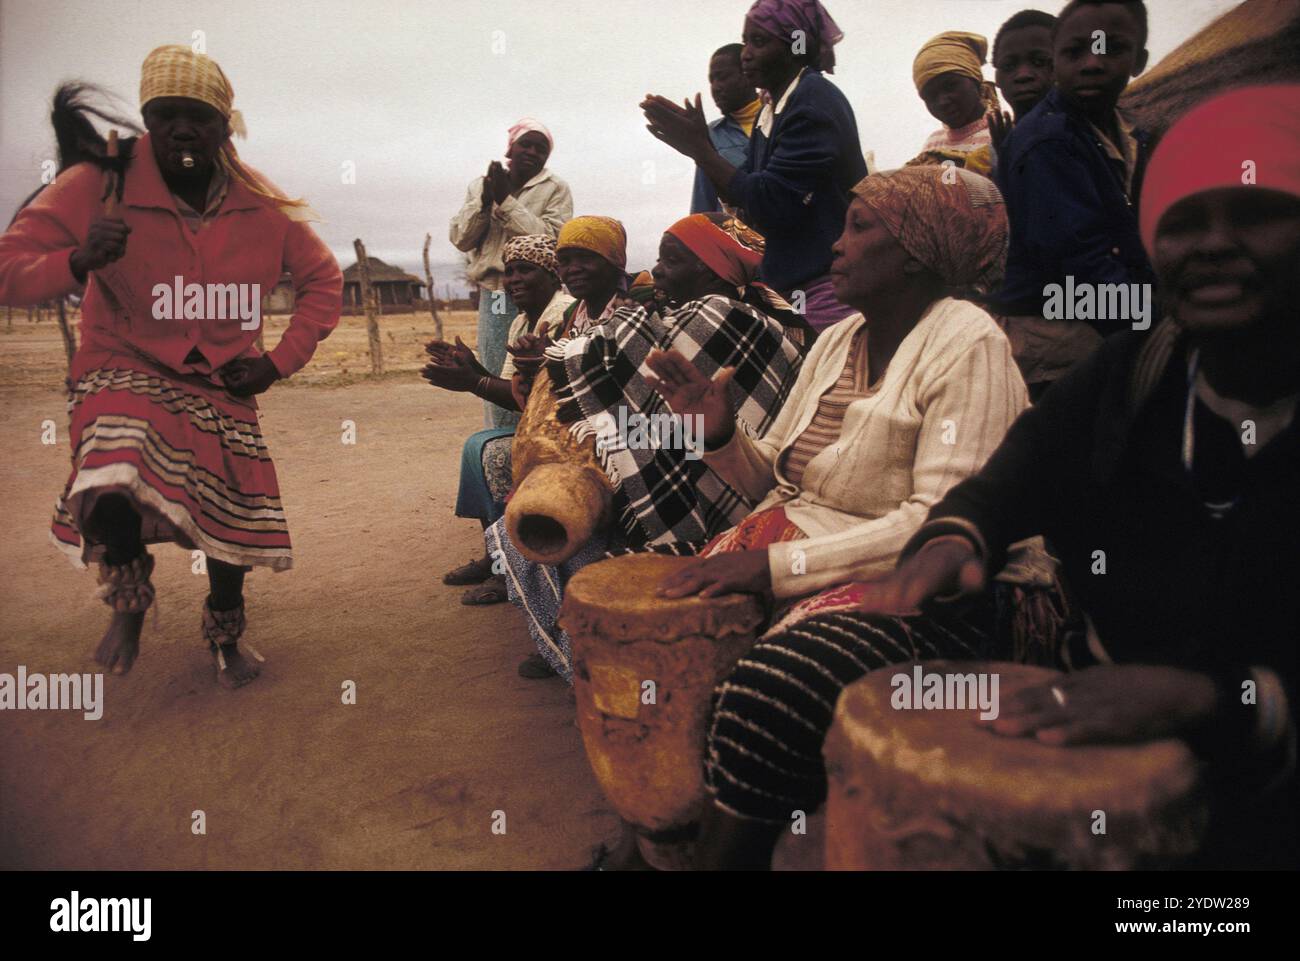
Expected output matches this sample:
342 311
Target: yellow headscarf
954 52
951 52
175 70
601 235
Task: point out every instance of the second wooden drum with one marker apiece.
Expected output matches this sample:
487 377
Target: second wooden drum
644 672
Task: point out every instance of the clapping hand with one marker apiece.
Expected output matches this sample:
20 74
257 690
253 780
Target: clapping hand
528 352
683 128
452 366
496 185
689 393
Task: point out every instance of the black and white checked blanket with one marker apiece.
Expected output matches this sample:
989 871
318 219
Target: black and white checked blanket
664 493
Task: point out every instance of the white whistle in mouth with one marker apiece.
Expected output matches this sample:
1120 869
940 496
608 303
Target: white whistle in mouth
187 160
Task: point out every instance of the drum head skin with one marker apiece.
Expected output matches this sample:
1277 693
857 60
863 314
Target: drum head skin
617 600
918 787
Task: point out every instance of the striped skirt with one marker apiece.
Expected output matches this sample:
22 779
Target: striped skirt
189 456
764 755
770 715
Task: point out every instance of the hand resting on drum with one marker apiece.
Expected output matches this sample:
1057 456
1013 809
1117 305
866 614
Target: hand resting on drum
738 572
1112 703
1107 703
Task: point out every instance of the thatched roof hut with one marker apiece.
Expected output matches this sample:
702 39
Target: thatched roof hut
1255 42
395 286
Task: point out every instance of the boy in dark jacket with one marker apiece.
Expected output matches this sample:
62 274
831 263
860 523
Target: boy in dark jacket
1070 172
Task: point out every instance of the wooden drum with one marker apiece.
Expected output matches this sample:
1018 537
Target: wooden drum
931 789
561 492
644 672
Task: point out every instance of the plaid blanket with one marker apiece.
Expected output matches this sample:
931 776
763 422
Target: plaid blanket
663 492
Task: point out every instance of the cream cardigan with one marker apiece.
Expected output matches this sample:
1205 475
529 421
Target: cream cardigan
942 407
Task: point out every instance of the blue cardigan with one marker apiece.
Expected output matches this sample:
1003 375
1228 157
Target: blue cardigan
794 187
1068 209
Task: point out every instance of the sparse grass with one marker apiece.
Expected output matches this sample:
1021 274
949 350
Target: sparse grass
31 354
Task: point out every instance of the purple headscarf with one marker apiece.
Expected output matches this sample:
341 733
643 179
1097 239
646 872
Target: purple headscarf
782 18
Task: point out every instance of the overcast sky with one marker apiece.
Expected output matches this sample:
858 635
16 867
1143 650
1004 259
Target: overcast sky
418 94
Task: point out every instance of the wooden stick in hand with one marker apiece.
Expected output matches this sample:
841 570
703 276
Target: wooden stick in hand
110 202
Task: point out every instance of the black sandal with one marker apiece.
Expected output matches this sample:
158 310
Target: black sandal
475 572
535 668
491 591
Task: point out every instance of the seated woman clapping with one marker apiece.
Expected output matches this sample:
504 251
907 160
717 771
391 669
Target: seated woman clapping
893 407
1164 471
532 279
712 310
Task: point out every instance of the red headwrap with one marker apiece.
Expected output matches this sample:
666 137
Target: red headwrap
1248 136
730 249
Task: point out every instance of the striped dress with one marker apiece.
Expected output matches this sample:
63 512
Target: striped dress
824 429
190 456
149 414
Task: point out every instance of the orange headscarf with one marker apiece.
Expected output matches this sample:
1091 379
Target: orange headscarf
727 247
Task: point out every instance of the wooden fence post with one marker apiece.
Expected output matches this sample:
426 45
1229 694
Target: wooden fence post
433 294
368 301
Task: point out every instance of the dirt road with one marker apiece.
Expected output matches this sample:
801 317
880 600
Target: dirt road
443 734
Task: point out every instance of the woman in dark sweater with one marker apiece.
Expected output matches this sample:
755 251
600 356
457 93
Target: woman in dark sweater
1164 471
804 157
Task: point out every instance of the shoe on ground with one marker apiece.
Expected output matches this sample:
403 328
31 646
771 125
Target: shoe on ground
475 572
535 668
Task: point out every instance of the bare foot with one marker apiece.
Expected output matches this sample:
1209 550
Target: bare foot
120 645
238 671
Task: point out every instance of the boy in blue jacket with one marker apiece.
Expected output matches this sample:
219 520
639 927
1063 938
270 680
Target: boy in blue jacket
1070 172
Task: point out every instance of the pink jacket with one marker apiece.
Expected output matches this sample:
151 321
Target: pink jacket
248 242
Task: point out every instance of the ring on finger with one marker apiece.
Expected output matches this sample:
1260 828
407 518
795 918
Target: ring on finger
1058 695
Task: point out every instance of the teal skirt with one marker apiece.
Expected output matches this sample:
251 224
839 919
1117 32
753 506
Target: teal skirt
485 474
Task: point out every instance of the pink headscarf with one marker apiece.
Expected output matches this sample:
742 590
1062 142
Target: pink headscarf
782 18
529 125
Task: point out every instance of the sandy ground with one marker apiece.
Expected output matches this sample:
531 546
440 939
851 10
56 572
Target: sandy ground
443 734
